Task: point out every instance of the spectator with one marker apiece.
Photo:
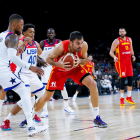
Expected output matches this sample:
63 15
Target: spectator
98 72
138 82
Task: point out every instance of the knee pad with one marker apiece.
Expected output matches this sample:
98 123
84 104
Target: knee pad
19 103
122 83
129 81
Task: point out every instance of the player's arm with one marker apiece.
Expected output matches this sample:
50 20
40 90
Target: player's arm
39 50
23 44
11 43
41 44
83 59
132 51
113 48
55 53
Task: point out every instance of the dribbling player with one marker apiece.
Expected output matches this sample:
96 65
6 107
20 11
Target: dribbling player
61 71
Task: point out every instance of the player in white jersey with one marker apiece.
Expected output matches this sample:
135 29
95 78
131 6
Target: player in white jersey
47 45
31 50
8 45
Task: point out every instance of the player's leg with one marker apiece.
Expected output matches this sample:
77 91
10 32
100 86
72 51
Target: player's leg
2 97
92 85
76 93
138 84
129 74
67 108
129 91
80 75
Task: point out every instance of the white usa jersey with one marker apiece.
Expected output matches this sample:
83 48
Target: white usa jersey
4 60
29 56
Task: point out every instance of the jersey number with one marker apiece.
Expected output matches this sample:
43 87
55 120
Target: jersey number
32 59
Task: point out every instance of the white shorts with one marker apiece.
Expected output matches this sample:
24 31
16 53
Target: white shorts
32 81
47 72
8 80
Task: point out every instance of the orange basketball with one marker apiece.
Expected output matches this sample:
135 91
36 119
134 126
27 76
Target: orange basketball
69 57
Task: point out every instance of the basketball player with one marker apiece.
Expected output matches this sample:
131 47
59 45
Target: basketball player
61 71
9 42
31 50
90 68
46 45
124 52
3 93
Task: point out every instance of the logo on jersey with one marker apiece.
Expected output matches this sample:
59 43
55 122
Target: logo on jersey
53 84
13 80
126 47
1 39
123 73
82 71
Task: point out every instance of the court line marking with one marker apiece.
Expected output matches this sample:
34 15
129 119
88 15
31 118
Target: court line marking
83 128
132 138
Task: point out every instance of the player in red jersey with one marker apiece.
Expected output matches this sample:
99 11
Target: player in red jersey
124 50
89 66
47 45
61 71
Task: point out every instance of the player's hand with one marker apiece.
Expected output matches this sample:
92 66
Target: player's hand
76 61
133 58
95 76
37 70
64 65
19 51
115 59
27 40
42 62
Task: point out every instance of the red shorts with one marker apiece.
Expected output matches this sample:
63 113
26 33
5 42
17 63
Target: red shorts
124 68
57 77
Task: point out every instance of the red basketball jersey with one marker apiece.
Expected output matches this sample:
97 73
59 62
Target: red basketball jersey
89 66
47 46
123 50
65 50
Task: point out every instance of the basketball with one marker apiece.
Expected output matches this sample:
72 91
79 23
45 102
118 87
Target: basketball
69 57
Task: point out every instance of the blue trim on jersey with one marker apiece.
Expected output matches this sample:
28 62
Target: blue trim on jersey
31 44
64 85
38 90
52 43
57 40
10 88
44 84
9 34
27 85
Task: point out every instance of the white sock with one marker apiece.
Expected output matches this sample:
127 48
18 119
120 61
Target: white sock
9 116
122 95
1 103
64 93
95 111
25 95
33 113
45 108
33 101
128 93
66 103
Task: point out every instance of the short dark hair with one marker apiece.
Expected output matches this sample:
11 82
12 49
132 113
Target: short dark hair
26 26
122 28
75 35
90 55
14 17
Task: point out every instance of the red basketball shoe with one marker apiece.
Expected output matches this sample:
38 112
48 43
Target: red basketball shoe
37 119
5 126
129 100
122 102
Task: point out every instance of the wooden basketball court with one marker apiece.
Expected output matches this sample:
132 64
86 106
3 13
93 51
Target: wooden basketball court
123 122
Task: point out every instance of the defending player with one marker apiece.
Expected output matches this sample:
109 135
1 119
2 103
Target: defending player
124 51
